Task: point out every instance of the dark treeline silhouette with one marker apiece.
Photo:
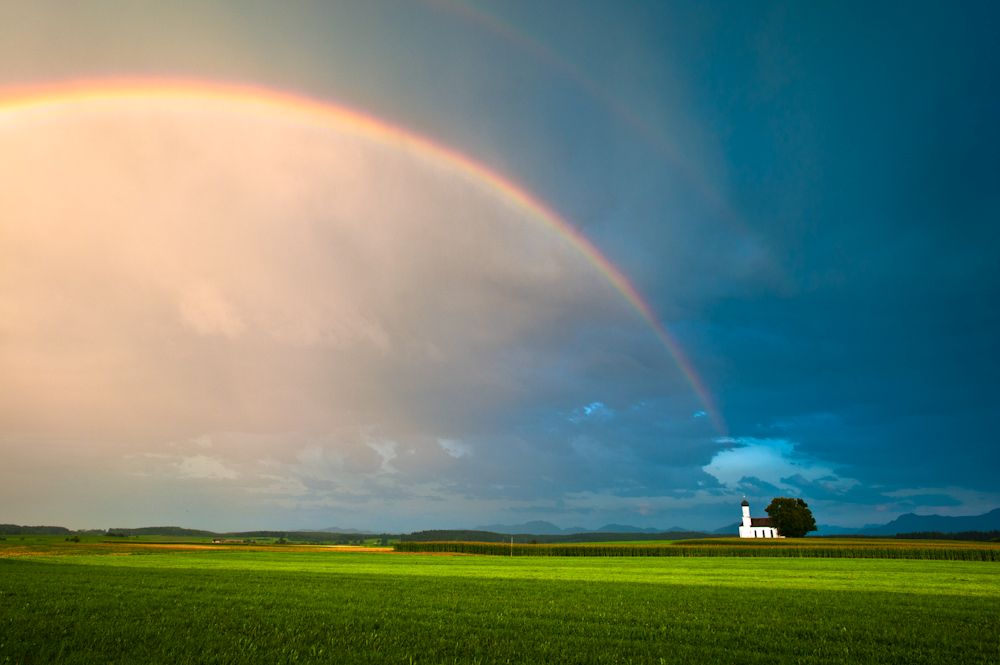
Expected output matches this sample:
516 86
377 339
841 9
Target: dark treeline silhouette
987 536
18 530
438 535
328 537
295 536
325 537
160 531
460 535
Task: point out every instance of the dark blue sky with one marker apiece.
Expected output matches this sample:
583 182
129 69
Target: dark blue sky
807 194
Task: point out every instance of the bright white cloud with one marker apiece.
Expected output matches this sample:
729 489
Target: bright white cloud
594 411
773 461
387 450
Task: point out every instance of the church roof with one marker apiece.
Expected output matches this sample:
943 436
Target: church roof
760 521
745 503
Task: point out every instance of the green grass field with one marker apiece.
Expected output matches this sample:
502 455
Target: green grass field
128 602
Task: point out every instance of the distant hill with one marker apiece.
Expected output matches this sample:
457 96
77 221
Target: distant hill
535 527
547 532
162 531
610 536
834 530
467 535
342 537
337 529
910 523
625 528
579 537
728 530
542 528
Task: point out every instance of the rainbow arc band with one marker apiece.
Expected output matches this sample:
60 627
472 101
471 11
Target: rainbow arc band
326 113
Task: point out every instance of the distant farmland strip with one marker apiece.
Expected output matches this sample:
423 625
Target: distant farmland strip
823 549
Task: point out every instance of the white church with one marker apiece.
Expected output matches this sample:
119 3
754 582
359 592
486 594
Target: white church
756 527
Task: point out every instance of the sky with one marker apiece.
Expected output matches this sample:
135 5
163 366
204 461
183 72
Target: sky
441 263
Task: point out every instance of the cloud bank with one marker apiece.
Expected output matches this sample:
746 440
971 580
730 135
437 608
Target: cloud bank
295 323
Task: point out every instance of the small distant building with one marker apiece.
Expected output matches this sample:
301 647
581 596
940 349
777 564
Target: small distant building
233 541
756 527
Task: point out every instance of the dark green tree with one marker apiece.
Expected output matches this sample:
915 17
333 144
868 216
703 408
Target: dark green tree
791 517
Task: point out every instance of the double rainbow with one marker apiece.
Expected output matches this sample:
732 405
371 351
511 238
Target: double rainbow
324 113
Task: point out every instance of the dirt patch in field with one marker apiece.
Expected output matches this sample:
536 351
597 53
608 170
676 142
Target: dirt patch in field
11 553
160 546
125 549
238 547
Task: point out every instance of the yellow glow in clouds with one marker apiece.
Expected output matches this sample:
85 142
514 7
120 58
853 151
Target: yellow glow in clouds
181 261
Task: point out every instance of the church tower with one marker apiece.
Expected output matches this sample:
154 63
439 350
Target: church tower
756 527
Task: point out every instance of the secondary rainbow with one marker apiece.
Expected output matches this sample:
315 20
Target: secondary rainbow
651 133
323 112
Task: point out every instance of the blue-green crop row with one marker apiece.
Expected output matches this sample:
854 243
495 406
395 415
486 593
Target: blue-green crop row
948 551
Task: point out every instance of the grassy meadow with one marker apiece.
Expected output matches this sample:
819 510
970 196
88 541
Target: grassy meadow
195 602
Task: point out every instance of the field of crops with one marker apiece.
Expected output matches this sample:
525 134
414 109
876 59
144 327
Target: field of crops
860 548
131 602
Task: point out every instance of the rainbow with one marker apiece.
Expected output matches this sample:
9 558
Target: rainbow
326 113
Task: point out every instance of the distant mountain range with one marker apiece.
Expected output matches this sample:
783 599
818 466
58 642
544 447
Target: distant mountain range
908 523
337 529
728 530
535 528
542 528
912 523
